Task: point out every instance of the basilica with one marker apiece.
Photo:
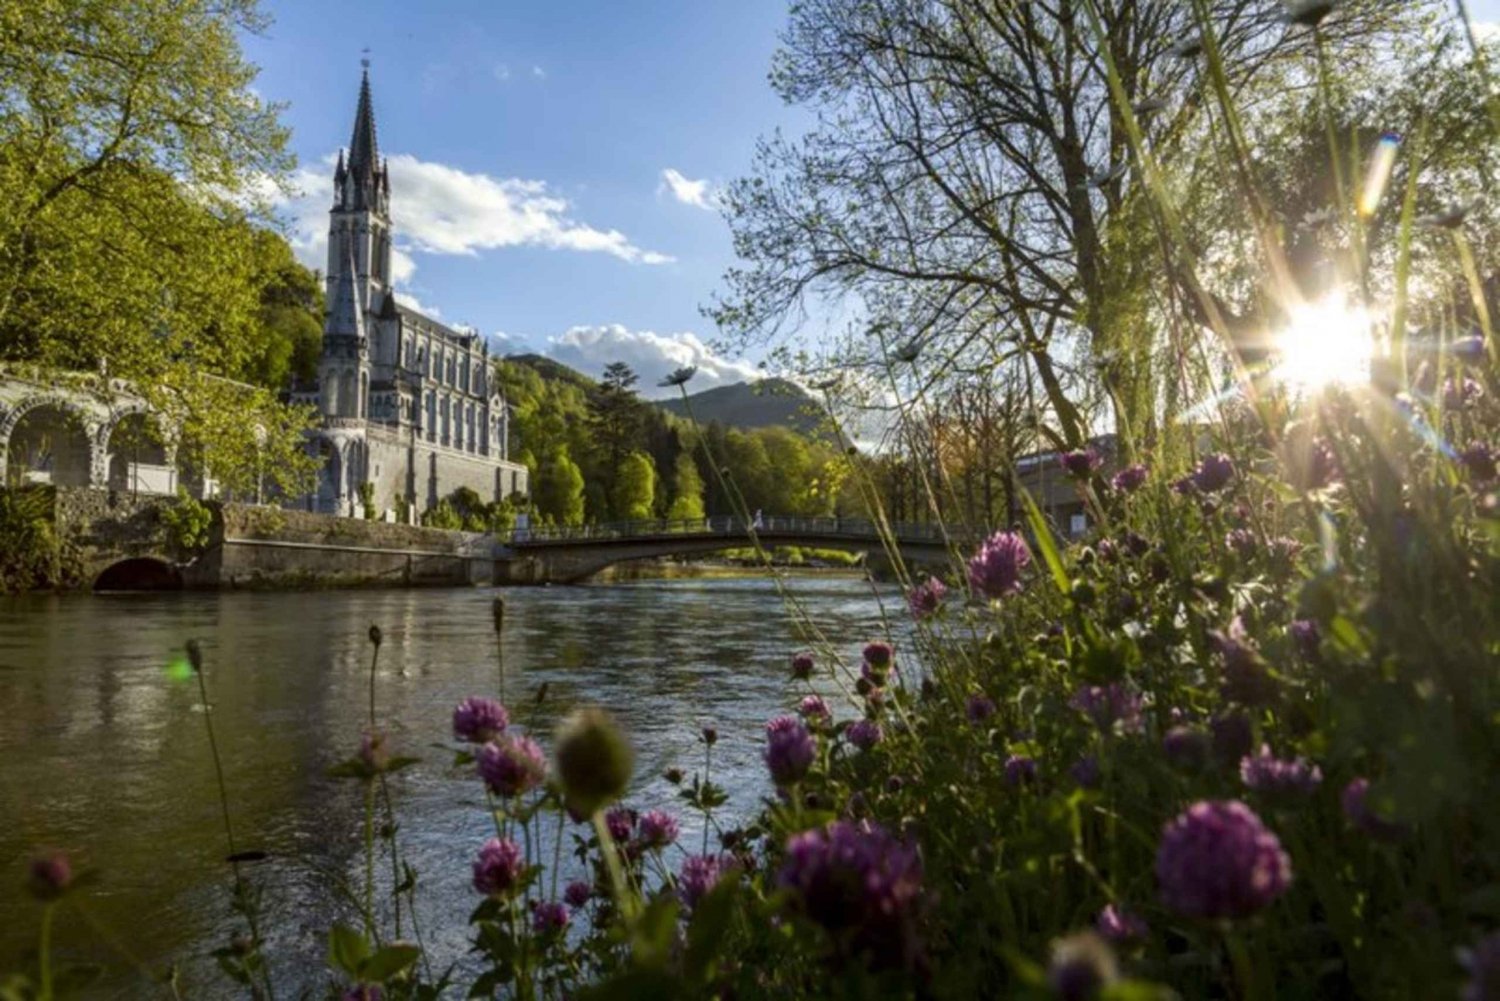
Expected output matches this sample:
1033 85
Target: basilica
410 409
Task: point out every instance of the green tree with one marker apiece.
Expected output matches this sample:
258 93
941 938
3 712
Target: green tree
558 492
635 487
133 154
687 489
616 420
290 317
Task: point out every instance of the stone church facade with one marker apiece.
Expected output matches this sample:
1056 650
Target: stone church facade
409 405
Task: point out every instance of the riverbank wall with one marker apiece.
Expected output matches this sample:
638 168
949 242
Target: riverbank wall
121 541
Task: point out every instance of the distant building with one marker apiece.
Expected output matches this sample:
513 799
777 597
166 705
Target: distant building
409 404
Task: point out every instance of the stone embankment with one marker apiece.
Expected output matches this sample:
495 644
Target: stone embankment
124 541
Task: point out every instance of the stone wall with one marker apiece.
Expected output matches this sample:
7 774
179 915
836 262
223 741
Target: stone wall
272 547
438 472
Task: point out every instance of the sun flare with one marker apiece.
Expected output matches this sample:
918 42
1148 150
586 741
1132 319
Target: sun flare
1325 343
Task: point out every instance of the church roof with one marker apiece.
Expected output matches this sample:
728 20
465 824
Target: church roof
416 318
364 152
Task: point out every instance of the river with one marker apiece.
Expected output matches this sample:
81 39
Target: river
103 750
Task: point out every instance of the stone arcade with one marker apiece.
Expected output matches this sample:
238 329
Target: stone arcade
409 405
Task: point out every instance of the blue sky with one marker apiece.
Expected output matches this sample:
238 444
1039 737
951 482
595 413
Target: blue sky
553 163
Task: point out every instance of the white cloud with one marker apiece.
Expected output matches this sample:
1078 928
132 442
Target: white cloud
439 209
1487 31
699 194
653 356
538 72
405 298
501 72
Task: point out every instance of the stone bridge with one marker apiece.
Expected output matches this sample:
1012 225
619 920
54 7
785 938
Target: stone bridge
569 555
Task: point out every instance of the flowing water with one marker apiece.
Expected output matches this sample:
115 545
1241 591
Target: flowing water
103 750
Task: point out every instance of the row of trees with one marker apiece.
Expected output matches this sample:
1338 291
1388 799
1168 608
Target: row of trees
600 453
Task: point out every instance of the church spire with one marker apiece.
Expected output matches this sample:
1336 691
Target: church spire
364 158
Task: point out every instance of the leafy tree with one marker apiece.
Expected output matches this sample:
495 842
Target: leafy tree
290 317
131 143
635 487
970 182
687 490
558 492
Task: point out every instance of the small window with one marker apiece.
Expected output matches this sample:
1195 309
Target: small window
1078 524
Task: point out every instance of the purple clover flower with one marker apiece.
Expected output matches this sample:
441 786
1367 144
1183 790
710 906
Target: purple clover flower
374 751
363 992
1186 747
1080 966
926 598
995 571
1130 479
1307 637
619 821
1232 737
578 893
1111 707
1019 770
1355 800
1480 461
478 720
50 875
1085 772
860 883
979 708
802 666
1218 860
879 655
1245 678
1121 927
1482 964
1213 473
498 868
814 710
658 829
699 875
1243 542
1266 773
865 734
1081 463
1460 394
549 917
790 750
512 765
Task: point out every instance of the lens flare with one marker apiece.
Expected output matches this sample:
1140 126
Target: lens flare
1325 343
1382 161
178 669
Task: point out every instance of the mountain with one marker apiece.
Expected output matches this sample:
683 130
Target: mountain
554 371
765 403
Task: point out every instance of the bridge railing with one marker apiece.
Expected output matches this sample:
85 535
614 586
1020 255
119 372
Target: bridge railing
730 526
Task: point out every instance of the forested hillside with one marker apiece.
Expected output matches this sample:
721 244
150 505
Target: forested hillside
598 452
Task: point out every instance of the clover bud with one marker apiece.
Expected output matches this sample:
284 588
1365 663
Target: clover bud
594 760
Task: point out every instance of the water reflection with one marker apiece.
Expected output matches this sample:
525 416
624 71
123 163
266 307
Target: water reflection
105 755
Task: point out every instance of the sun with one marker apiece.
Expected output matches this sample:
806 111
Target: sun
1325 343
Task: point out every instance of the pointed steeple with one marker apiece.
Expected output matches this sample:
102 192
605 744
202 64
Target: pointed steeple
364 153
346 319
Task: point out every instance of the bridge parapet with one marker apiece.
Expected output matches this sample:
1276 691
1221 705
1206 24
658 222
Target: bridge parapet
729 526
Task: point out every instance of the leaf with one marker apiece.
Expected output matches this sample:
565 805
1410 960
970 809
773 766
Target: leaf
388 962
347 949
651 939
1043 536
709 925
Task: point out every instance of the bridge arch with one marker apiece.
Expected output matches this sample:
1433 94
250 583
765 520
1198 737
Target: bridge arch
567 556
139 573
